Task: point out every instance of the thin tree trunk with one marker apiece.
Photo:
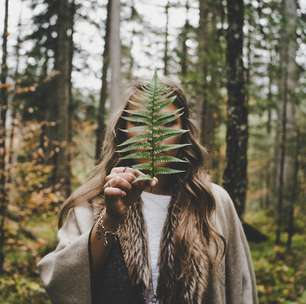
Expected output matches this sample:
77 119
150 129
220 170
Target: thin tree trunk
249 63
48 140
62 63
131 58
166 56
70 118
291 123
270 95
100 131
235 173
206 122
115 58
268 177
209 52
48 131
288 117
3 113
184 56
294 195
281 171
14 105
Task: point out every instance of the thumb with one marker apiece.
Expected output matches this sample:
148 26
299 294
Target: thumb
154 181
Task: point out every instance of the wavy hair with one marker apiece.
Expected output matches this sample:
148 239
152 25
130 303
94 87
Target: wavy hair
198 201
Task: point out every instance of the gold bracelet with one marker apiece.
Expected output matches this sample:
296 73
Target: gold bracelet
101 231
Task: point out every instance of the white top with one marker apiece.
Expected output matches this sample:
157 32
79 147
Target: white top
155 212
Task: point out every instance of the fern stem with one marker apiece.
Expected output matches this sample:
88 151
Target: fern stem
152 120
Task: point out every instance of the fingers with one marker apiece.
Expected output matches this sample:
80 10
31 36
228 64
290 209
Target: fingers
126 169
136 172
127 176
123 177
112 191
142 184
119 169
126 172
118 182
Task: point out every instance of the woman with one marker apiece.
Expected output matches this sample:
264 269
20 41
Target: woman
176 239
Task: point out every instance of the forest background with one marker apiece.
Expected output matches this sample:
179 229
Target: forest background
65 67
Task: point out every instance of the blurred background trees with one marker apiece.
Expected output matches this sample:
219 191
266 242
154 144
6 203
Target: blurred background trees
65 66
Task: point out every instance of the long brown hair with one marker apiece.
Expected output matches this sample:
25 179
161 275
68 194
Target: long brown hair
194 184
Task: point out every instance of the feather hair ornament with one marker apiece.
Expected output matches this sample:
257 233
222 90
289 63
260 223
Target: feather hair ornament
151 129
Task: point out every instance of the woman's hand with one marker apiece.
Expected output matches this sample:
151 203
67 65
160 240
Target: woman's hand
120 191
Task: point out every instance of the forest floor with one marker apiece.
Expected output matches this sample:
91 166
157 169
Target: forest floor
281 275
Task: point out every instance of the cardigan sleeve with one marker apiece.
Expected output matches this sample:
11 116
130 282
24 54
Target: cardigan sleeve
65 272
240 275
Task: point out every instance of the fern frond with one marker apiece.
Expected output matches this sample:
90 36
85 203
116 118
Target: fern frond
151 129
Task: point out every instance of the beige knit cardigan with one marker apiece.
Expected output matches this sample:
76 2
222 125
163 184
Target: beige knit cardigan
65 272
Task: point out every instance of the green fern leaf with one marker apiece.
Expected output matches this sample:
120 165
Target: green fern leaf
163 118
136 146
134 139
168 133
137 155
166 170
134 129
151 129
134 118
169 159
143 166
164 148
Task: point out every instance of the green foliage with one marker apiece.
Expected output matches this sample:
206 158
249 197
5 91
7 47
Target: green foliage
21 283
280 274
17 289
152 130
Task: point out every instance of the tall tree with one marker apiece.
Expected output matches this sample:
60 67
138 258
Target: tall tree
72 10
235 173
132 19
44 40
293 192
184 37
3 114
115 58
14 103
287 116
100 131
62 94
166 48
210 79
207 119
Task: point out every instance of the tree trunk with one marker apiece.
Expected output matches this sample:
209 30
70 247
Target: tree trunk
235 173
14 105
206 119
294 195
62 65
184 56
100 132
3 113
131 58
166 56
70 118
115 58
209 54
269 165
287 112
